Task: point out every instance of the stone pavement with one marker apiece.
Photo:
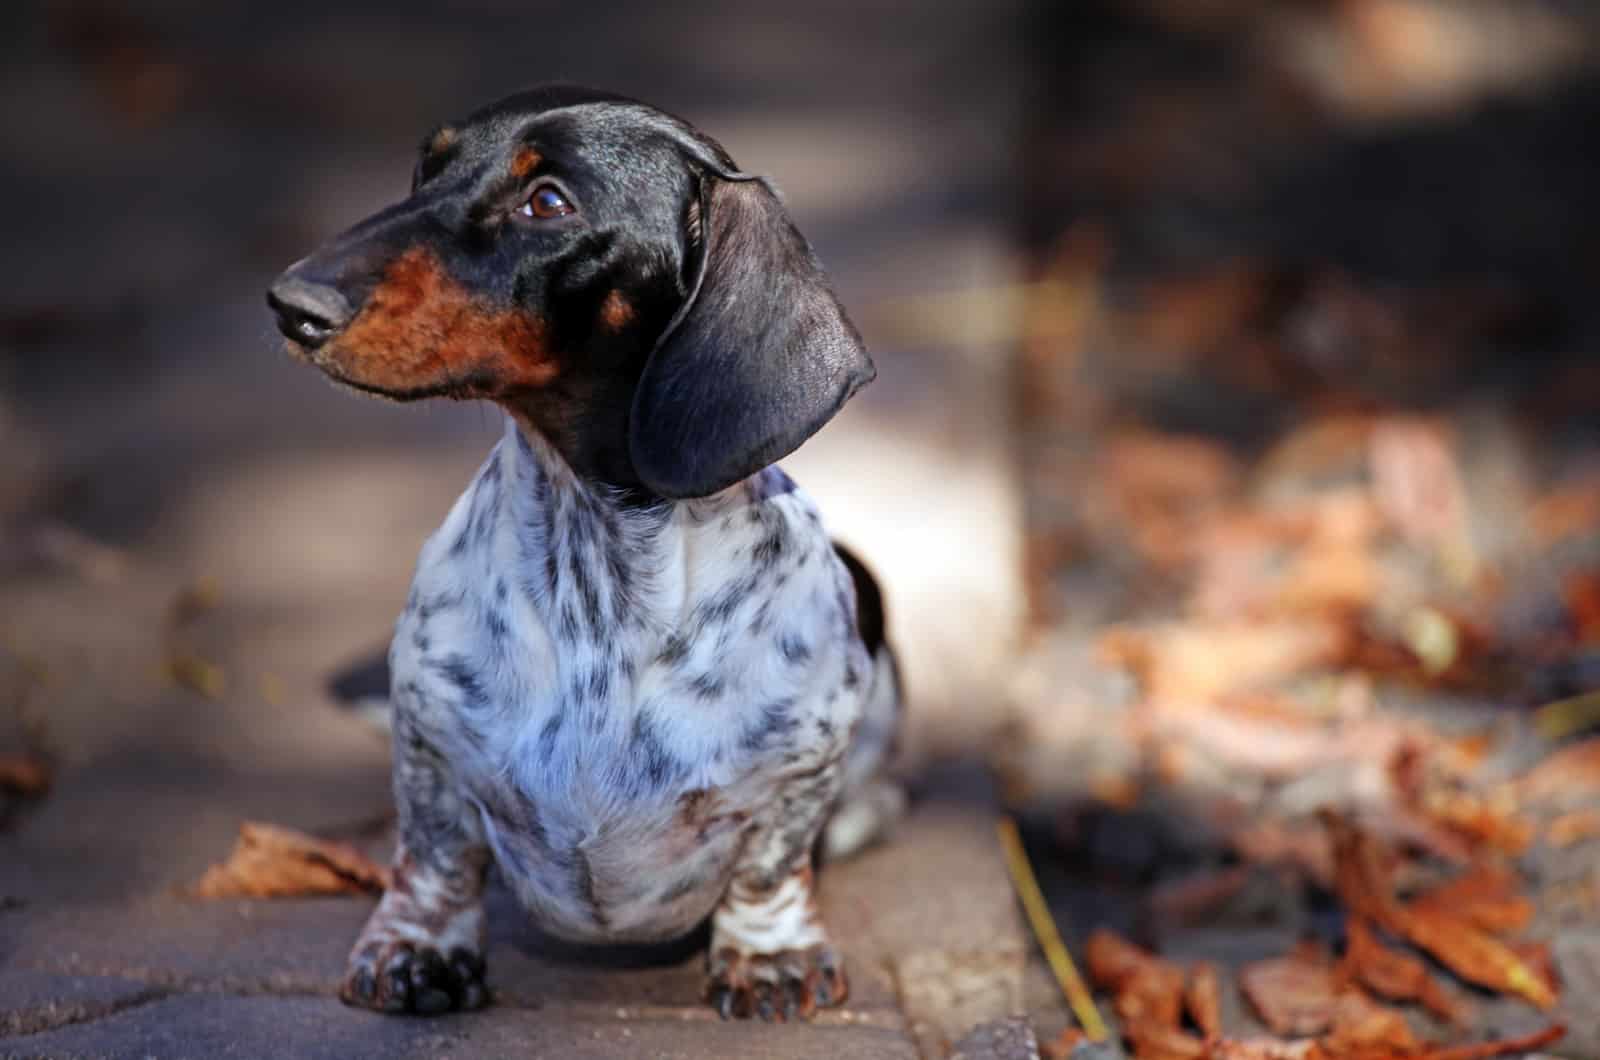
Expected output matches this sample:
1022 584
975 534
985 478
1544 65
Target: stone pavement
158 170
166 976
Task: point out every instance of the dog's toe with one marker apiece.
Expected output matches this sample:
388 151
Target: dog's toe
403 977
775 987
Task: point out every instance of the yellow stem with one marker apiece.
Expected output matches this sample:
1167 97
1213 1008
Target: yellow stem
1044 929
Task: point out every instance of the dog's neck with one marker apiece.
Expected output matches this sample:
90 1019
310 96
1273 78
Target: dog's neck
597 557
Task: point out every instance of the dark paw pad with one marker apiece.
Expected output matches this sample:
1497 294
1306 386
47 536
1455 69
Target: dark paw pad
775 987
404 977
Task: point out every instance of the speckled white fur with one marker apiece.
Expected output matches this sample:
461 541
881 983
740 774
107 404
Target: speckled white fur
635 703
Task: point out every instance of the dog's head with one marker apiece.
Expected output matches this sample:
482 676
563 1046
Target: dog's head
603 270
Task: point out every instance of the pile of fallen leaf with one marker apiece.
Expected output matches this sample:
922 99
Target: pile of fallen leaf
1305 631
1319 1007
1345 570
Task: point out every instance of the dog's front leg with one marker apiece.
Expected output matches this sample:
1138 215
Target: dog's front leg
422 948
770 954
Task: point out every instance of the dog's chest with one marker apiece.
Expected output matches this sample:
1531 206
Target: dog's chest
620 692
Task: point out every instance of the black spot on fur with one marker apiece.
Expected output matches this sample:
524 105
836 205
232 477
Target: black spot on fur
657 766
770 548
707 685
489 518
459 672
548 734
591 602
775 722
599 683
794 648
673 651
722 606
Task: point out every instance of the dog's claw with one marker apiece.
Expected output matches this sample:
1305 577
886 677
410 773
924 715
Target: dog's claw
775 987
402 977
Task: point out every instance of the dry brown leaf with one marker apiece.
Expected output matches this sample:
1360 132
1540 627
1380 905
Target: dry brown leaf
1152 491
1361 1025
1307 850
1062 1046
1362 874
1312 557
1146 990
1145 468
1475 956
1501 1047
1202 996
1478 818
1572 772
1418 483
1582 594
1540 961
1392 974
1293 995
1189 898
1196 663
1336 1048
270 861
1572 828
1263 1049
1363 883
24 774
1565 512
1321 448
1484 897
1151 1042
1112 960
1335 576
1273 747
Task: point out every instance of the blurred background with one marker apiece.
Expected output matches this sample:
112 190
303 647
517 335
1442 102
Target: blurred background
1238 420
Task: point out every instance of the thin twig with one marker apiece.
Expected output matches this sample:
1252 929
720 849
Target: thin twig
1567 717
1044 929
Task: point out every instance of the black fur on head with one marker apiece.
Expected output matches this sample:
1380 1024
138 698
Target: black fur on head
671 333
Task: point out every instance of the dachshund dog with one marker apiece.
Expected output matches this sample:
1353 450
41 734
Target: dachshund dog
633 671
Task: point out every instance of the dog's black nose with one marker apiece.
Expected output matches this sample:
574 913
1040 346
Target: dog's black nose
309 313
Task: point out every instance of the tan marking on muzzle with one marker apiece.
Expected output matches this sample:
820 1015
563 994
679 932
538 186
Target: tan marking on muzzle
420 329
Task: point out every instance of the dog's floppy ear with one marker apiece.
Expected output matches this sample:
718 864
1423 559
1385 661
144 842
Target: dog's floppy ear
756 360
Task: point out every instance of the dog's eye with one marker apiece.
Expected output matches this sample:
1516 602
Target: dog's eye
546 202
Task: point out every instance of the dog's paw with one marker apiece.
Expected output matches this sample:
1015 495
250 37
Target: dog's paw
404 977
775 987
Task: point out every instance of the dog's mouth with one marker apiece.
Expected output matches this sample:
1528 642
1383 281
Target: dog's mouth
319 359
